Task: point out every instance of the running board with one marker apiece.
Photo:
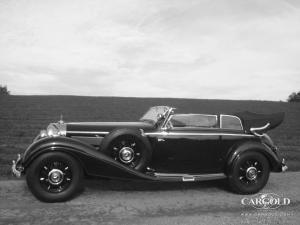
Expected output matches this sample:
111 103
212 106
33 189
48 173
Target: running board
188 177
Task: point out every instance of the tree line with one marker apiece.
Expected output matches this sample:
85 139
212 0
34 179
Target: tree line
293 97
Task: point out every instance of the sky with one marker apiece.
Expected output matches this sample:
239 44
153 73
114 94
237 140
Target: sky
209 49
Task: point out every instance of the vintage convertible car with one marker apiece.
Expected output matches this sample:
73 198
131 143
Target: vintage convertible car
161 146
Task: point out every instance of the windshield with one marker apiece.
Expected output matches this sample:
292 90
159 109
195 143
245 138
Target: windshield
155 113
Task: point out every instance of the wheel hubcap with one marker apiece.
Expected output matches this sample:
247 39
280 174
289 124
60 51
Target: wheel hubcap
251 173
126 150
126 154
55 176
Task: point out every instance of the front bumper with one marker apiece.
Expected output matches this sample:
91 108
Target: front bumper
16 167
284 167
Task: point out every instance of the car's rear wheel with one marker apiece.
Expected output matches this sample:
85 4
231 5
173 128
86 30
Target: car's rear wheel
128 147
249 173
54 177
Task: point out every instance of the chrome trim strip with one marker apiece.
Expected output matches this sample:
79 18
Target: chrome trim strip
97 122
191 177
187 175
165 133
221 115
254 129
260 128
172 174
87 132
87 137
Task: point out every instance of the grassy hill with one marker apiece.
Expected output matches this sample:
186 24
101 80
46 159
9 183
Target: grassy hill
21 118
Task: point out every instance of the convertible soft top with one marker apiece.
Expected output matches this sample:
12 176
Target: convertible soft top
254 120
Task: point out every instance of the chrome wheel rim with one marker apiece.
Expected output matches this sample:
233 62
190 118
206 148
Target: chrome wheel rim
126 155
126 150
55 176
250 172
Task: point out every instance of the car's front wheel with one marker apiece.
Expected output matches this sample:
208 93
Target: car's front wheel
249 173
54 177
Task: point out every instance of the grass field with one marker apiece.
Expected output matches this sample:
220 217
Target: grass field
21 118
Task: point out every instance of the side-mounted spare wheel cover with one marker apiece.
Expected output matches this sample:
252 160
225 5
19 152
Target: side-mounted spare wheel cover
129 147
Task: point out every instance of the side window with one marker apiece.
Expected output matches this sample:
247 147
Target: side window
194 120
231 122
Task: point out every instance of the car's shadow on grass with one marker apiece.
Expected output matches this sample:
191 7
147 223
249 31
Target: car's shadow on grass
127 185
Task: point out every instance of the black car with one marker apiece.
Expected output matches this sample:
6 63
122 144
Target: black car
161 146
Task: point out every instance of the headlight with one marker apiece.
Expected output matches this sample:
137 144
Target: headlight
56 129
52 130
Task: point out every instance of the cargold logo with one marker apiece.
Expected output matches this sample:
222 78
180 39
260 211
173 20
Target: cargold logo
265 201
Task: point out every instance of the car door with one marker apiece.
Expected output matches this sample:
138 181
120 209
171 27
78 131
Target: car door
188 149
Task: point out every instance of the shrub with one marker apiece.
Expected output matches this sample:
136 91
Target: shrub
294 97
4 91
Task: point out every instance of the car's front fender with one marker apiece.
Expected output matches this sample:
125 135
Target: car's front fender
93 162
51 144
274 159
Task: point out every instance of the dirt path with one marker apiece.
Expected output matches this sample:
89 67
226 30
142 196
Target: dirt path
121 202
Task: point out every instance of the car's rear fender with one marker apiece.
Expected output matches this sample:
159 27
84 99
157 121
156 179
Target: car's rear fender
251 146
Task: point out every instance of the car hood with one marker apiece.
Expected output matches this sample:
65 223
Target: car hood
107 126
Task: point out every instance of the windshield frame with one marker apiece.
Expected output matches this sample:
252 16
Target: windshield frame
165 112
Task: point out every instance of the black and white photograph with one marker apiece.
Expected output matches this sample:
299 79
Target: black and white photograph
149 112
